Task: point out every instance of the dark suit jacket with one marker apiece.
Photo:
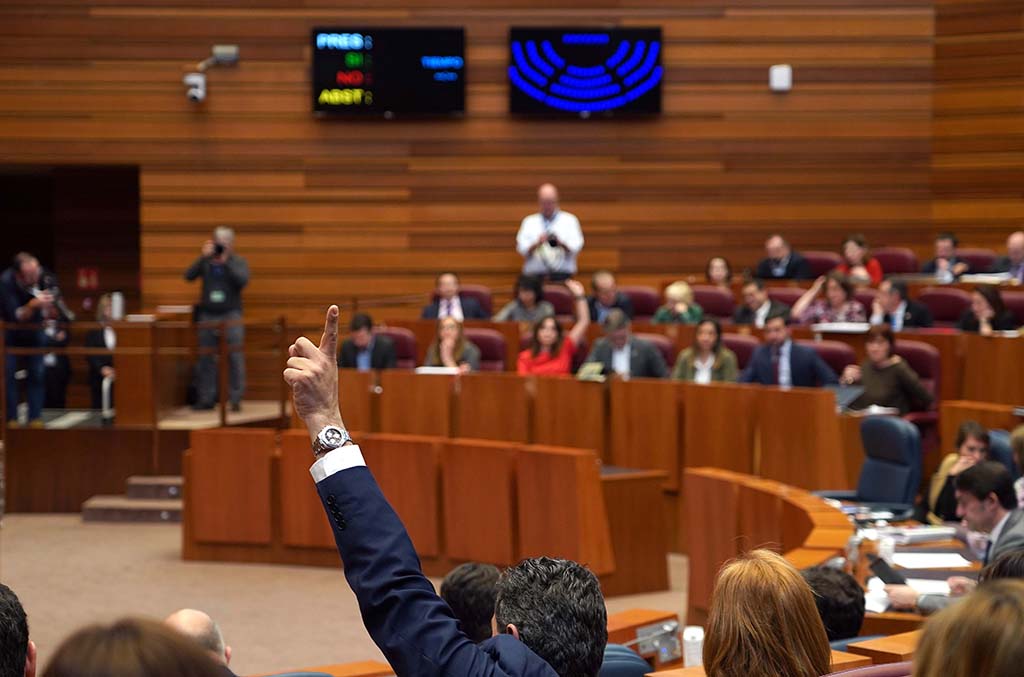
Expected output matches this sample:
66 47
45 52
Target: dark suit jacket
413 627
622 302
806 368
969 322
382 357
931 267
916 315
471 309
797 268
645 361
745 315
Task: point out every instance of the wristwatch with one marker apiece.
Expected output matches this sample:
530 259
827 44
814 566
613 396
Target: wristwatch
330 438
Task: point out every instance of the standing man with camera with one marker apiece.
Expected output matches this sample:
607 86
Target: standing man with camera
550 240
27 298
224 275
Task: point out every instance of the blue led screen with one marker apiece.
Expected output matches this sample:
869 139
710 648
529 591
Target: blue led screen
585 71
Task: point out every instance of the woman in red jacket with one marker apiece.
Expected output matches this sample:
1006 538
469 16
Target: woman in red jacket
858 265
551 352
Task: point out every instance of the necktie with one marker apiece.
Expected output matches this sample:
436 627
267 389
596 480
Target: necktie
988 551
447 308
775 365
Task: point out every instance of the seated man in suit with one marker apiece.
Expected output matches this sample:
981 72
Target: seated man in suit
987 504
450 303
469 590
757 307
892 307
782 263
780 361
1013 262
622 353
946 266
549 613
365 350
607 296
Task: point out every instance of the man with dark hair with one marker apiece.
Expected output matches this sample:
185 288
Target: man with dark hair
363 349
25 298
840 601
449 302
619 352
199 627
987 503
413 627
891 306
757 306
1008 565
781 262
946 265
781 362
470 590
17 651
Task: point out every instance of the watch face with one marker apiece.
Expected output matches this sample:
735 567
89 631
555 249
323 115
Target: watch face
333 437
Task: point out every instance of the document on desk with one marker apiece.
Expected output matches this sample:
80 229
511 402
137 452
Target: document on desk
929 587
930 560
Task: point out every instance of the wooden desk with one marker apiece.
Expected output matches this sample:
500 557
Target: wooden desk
415 404
494 406
624 627
799 438
646 426
136 374
892 649
840 661
359 669
954 412
720 423
636 521
358 399
992 369
570 413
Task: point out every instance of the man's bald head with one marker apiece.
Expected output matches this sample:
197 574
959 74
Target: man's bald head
547 199
202 629
1015 246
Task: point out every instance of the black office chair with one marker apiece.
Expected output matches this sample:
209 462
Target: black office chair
891 474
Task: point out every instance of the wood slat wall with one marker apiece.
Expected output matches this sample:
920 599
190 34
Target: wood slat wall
327 210
978 146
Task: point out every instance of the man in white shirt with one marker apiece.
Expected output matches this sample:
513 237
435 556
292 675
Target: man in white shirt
550 240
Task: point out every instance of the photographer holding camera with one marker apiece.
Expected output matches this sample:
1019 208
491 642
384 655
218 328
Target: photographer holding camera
30 295
224 275
550 240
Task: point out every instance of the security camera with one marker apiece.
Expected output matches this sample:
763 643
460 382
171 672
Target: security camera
196 86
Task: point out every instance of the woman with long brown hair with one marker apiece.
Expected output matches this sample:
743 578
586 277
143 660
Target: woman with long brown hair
551 350
450 348
764 622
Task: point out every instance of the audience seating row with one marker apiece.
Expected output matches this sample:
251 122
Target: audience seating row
460 499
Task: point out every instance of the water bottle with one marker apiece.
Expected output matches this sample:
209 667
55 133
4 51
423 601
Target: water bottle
693 646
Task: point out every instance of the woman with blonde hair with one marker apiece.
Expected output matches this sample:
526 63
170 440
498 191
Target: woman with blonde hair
451 348
679 306
980 635
764 622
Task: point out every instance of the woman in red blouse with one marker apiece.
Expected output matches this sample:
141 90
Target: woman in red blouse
858 265
550 352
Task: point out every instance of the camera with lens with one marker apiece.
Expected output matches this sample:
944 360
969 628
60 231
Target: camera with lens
218 249
552 240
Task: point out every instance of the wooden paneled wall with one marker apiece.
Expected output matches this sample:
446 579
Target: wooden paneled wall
978 146
328 210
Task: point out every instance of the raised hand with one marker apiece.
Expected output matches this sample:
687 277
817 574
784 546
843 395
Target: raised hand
312 373
576 288
208 249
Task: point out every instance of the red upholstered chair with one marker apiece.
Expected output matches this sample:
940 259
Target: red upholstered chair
945 303
715 301
406 349
492 347
787 295
645 302
895 260
821 261
980 260
742 345
481 293
836 354
561 299
926 362
663 344
904 669
1014 302
866 298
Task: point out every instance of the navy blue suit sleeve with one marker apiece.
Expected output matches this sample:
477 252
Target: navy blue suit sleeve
413 627
801 268
429 312
823 373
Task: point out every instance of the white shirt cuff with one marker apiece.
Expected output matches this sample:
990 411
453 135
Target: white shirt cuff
340 459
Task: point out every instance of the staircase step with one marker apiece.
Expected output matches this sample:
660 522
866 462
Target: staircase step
154 486
125 509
